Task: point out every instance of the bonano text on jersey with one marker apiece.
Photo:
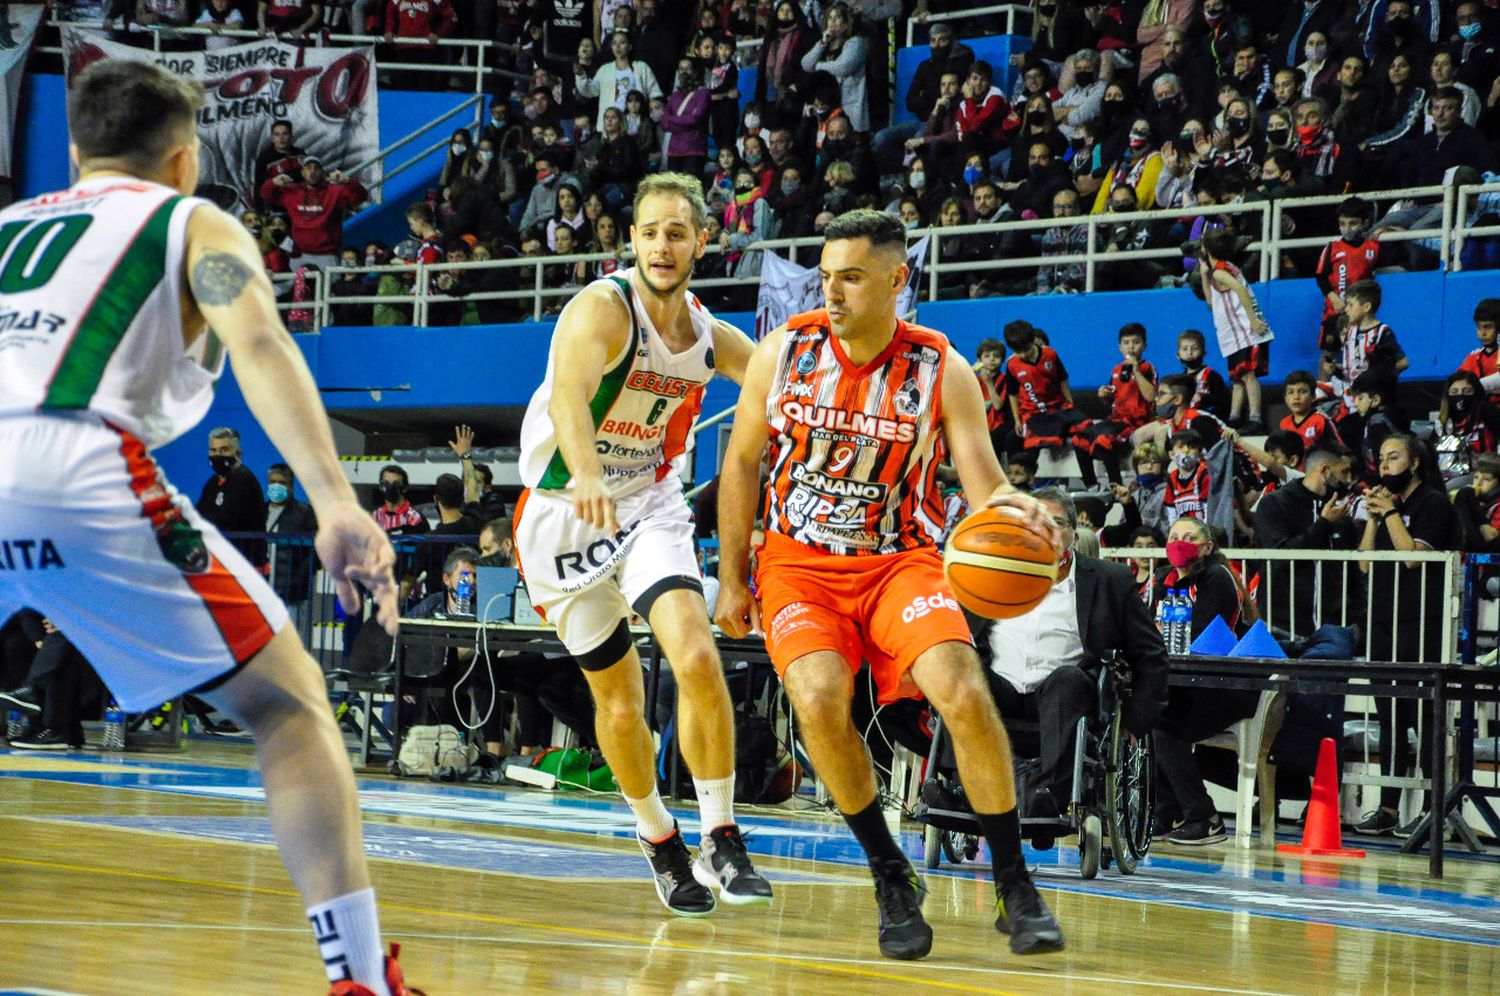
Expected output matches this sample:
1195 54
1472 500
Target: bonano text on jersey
855 451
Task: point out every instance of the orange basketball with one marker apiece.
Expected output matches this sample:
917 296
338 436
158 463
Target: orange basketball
998 566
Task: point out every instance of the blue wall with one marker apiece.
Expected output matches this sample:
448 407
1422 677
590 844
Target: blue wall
41 154
501 365
994 49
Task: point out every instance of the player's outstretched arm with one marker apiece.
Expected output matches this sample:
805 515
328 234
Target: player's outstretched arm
593 328
732 350
230 290
973 455
739 491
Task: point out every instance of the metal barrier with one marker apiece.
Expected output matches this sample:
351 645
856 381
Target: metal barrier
1012 12
1455 227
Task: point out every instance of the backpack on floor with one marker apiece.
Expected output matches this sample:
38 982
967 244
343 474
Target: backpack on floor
425 749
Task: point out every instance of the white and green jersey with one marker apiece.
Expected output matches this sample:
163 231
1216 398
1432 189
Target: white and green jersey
644 410
91 284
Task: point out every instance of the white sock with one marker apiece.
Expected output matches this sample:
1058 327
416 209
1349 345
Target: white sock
652 821
715 802
347 930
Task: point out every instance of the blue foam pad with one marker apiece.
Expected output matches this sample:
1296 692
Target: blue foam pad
1257 642
1216 641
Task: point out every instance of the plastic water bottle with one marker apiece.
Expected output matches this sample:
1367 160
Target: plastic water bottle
1184 627
463 595
114 727
14 724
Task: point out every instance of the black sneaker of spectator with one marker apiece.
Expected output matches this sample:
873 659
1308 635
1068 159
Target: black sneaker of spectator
1254 427
1194 832
1161 826
1377 824
1408 829
47 739
899 892
24 698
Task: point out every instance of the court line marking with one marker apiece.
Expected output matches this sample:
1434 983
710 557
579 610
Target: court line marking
525 924
511 940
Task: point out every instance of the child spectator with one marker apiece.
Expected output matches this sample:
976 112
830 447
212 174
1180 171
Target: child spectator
1188 482
1478 506
724 93
422 222
1468 425
1277 464
1484 362
1041 402
1175 405
1020 471
992 385
1370 390
1366 343
1132 393
1210 392
1140 500
1244 336
1314 428
1347 260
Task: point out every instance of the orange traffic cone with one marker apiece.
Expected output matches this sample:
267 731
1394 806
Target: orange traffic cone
1323 834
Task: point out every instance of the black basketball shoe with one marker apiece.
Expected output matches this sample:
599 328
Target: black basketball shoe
672 868
724 866
899 892
1025 917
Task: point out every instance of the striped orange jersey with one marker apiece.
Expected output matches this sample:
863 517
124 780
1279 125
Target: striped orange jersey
855 450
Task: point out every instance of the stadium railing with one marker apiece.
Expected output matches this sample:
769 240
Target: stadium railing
1448 237
1017 18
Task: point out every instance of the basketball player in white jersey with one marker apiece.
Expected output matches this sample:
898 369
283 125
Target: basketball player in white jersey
108 290
603 529
858 405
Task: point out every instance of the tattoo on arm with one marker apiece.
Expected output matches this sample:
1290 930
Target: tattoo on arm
219 277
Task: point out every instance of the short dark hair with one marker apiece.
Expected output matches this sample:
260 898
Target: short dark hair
1019 334
422 212
983 69
1189 438
1301 377
279 122
1367 291
449 491
1192 335
1286 160
1356 207
1286 442
486 475
1487 463
396 468
1446 93
883 231
1487 310
1375 382
1332 453
136 111
990 345
283 469
459 555
1219 243
1180 383
1132 328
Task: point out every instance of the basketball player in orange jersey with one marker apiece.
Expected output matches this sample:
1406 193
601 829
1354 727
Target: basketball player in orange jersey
859 407
132 272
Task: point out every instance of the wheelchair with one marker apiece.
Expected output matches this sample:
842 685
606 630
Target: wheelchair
1112 779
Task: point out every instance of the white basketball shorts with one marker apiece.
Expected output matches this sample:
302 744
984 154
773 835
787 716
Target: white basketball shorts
95 539
587 582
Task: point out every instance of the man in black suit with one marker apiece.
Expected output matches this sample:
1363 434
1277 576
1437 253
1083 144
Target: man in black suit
1044 665
231 498
291 574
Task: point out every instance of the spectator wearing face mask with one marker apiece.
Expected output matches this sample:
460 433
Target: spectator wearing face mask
286 515
1467 424
231 499
1139 166
541 206
793 204
1309 513
1081 103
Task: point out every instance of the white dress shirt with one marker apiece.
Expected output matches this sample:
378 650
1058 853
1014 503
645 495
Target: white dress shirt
1030 647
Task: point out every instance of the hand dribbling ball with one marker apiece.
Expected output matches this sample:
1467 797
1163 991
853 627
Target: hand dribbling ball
998 566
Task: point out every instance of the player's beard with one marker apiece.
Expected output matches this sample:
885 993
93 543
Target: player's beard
664 292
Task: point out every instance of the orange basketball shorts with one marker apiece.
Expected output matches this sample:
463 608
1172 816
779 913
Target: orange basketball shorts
887 609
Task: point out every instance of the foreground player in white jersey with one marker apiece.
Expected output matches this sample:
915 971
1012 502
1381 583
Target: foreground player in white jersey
108 289
604 530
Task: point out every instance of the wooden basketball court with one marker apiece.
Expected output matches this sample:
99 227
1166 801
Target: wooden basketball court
155 874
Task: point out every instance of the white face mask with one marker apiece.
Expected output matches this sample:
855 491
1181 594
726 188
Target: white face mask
458 148
752 122
485 155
